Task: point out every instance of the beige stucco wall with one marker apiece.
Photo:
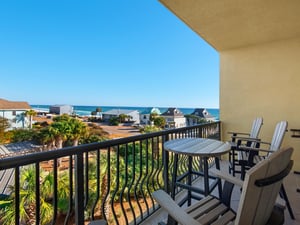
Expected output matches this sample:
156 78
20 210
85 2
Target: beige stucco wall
262 80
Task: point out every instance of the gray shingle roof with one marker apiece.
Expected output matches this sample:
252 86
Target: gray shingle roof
172 112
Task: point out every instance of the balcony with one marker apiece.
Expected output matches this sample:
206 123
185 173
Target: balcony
112 180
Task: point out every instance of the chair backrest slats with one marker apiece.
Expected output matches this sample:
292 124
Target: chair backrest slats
256 203
257 123
278 135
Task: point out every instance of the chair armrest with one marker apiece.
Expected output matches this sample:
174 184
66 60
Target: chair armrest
247 139
255 149
177 213
257 140
236 133
227 177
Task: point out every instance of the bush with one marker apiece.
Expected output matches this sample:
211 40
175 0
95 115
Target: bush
20 135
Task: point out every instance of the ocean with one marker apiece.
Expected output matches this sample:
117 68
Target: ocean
86 110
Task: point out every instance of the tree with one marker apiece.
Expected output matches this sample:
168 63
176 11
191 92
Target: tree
78 130
153 116
98 110
123 117
28 199
159 122
4 124
114 121
64 128
61 131
47 137
31 113
20 118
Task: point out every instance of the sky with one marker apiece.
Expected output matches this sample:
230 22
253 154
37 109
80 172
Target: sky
104 52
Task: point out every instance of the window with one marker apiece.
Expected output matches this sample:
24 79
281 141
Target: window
14 113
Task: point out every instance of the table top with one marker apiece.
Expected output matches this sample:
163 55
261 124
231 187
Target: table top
197 147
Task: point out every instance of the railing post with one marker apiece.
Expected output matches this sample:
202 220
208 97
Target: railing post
166 165
79 189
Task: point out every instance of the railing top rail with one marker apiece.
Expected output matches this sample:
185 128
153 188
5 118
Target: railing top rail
21 160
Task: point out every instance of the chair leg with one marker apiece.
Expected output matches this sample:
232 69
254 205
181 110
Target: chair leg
231 166
283 194
243 172
233 162
171 221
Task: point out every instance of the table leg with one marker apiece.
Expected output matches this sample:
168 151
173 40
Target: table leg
174 176
206 178
217 161
190 164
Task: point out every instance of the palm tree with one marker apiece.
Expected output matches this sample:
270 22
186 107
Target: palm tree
61 131
31 113
47 137
78 130
28 199
98 110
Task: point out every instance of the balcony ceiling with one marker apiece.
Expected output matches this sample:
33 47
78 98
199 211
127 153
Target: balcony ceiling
228 24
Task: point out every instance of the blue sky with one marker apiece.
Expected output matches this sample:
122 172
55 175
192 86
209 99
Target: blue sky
107 53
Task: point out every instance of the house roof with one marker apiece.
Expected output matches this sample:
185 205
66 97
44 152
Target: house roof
232 24
12 105
172 112
201 112
151 110
119 111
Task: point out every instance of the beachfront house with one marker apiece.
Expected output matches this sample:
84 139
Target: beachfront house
145 115
14 112
61 109
174 118
133 115
199 114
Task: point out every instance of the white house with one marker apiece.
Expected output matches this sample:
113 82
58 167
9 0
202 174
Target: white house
61 109
133 114
14 112
174 118
145 115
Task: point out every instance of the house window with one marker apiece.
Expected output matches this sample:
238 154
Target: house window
14 113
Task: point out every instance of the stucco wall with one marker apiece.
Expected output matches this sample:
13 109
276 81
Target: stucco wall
262 80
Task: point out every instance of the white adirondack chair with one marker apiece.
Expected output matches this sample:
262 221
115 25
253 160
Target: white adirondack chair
237 137
251 155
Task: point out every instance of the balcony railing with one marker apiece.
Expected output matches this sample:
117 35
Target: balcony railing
112 180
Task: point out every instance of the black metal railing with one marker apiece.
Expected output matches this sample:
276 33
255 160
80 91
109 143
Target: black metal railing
111 179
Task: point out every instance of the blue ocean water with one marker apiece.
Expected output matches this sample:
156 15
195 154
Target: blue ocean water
86 110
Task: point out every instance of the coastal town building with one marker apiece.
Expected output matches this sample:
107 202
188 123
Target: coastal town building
134 115
174 118
199 115
145 115
61 109
14 112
